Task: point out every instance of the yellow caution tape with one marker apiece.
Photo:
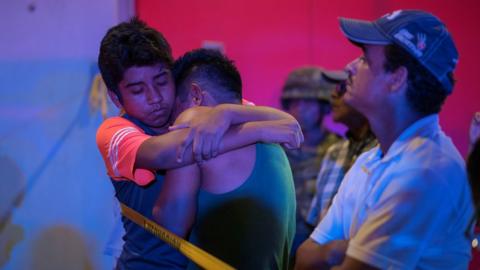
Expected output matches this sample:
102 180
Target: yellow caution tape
195 254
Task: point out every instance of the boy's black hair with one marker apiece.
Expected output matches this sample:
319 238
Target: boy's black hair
131 44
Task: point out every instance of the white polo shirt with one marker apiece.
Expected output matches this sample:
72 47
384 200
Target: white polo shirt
409 209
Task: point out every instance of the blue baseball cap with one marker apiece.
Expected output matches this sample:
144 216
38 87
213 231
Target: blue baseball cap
419 33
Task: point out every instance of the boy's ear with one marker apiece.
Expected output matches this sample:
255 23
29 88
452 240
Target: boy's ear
196 94
114 97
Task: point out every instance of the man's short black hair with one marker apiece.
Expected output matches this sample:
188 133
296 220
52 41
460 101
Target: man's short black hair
424 93
131 44
213 70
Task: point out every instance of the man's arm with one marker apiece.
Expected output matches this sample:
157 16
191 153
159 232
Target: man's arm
176 206
177 148
229 114
311 255
353 264
210 124
240 113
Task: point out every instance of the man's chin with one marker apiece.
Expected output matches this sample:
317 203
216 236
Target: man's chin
348 98
159 124
336 118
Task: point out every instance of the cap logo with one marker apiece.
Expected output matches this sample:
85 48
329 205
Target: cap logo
405 37
393 15
421 41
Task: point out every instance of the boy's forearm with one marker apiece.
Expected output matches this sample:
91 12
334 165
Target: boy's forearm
241 135
285 131
311 255
240 113
174 149
160 152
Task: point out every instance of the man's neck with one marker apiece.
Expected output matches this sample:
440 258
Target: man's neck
359 132
388 127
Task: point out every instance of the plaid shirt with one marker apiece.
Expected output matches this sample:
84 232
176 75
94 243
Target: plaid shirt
305 163
337 161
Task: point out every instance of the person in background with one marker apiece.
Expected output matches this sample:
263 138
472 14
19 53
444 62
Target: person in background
473 159
407 203
473 169
474 131
341 155
306 96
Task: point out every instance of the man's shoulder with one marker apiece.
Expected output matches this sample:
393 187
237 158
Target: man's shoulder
440 154
273 149
429 164
272 152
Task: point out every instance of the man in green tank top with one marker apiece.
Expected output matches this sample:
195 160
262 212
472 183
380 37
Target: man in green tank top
239 206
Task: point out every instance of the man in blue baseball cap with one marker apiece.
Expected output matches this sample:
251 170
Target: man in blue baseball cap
405 204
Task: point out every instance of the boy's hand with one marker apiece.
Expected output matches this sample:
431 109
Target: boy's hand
286 132
207 127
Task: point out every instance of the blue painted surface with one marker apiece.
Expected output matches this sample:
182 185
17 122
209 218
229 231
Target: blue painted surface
47 143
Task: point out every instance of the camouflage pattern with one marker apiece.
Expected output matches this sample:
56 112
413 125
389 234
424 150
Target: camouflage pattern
311 82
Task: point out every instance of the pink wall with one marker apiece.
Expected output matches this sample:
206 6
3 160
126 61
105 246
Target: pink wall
269 38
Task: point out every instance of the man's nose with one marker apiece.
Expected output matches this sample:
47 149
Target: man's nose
350 67
153 96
